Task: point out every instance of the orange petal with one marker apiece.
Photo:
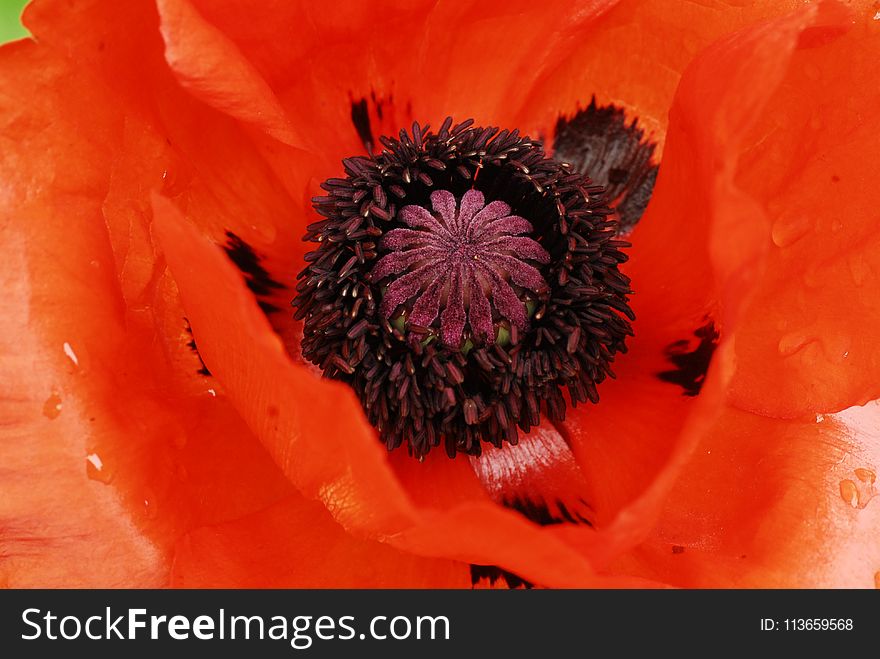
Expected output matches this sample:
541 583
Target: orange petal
502 49
60 526
634 57
112 435
696 253
213 69
705 124
230 173
296 544
315 60
772 503
809 340
628 438
119 41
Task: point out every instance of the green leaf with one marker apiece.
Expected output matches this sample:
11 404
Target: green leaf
10 20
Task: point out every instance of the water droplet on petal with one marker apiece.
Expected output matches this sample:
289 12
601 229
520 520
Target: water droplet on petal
95 460
865 475
52 406
836 346
849 493
97 470
68 350
150 507
787 230
173 183
820 418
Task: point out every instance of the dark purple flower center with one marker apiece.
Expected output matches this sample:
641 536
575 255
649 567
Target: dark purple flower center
465 285
463 263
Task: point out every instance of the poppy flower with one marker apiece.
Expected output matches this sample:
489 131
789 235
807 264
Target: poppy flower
167 422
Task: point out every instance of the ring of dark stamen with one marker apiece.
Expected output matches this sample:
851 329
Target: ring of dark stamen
423 393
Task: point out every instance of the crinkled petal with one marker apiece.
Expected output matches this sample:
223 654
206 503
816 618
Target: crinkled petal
500 49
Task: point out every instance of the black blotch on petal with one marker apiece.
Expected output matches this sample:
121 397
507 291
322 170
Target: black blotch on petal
495 574
547 515
598 142
257 278
691 363
379 102
540 513
203 370
360 117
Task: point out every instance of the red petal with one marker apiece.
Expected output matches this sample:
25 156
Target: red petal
214 70
232 177
59 527
809 340
112 435
771 503
634 57
501 49
700 227
118 40
338 459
